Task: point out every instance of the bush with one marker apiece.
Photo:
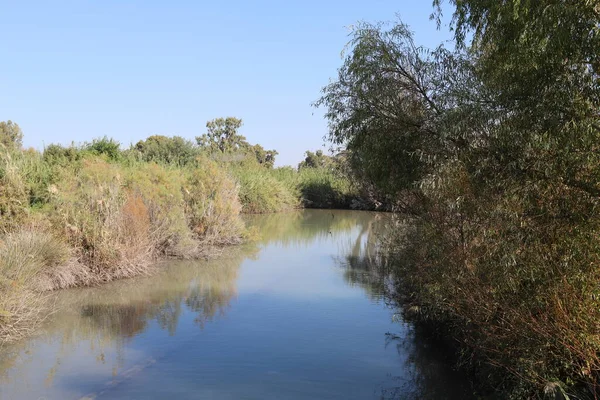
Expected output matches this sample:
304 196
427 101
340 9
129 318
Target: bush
103 220
262 192
24 256
323 188
105 146
55 154
212 204
167 150
13 193
160 190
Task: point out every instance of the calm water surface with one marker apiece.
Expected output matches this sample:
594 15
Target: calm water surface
297 315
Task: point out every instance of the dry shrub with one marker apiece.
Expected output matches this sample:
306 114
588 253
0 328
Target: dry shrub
24 257
13 193
212 204
116 219
119 219
514 280
106 224
134 229
160 188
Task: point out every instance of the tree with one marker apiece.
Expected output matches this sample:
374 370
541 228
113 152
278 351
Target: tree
315 160
11 135
264 157
222 136
104 146
494 149
541 59
168 150
394 106
223 140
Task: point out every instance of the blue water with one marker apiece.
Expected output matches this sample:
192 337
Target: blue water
294 316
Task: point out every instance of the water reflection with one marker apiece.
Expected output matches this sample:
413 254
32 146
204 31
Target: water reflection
108 317
426 371
288 318
304 227
363 261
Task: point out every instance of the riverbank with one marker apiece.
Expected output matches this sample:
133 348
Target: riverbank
89 214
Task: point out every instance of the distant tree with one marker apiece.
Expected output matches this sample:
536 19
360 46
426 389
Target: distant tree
11 135
168 150
222 139
57 154
315 160
264 157
104 146
223 136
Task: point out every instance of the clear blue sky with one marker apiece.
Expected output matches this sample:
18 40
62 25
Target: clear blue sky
76 70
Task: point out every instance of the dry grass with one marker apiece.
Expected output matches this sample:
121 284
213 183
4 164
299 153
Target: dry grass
115 221
25 256
212 205
160 189
13 194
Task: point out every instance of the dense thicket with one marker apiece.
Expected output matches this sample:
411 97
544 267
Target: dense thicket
493 150
91 213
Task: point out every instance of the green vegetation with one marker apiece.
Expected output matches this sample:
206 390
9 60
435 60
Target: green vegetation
491 151
92 213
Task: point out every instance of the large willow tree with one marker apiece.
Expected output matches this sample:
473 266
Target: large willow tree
495 149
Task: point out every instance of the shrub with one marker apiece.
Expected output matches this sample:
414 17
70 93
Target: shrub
94 209
13 193
105 146
261 191
161 190
24 256
55 154
167 150
323 188
212 204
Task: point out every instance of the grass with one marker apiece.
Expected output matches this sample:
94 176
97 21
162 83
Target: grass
265 190
82 216
77 218
262 191
25 256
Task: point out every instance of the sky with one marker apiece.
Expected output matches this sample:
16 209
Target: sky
73 70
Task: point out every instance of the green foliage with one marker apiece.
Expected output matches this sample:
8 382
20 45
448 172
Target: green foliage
264 157
104 146
315 160
222 136
117 211
325 188
223 143
388 106
167 150
11 135
493 150
282 189
212 204
55 154
261 191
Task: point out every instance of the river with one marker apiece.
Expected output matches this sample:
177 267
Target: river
298 314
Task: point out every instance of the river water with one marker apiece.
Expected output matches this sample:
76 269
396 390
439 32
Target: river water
299 314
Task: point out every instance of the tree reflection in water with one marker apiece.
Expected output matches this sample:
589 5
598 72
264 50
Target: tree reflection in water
108 317
426 373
